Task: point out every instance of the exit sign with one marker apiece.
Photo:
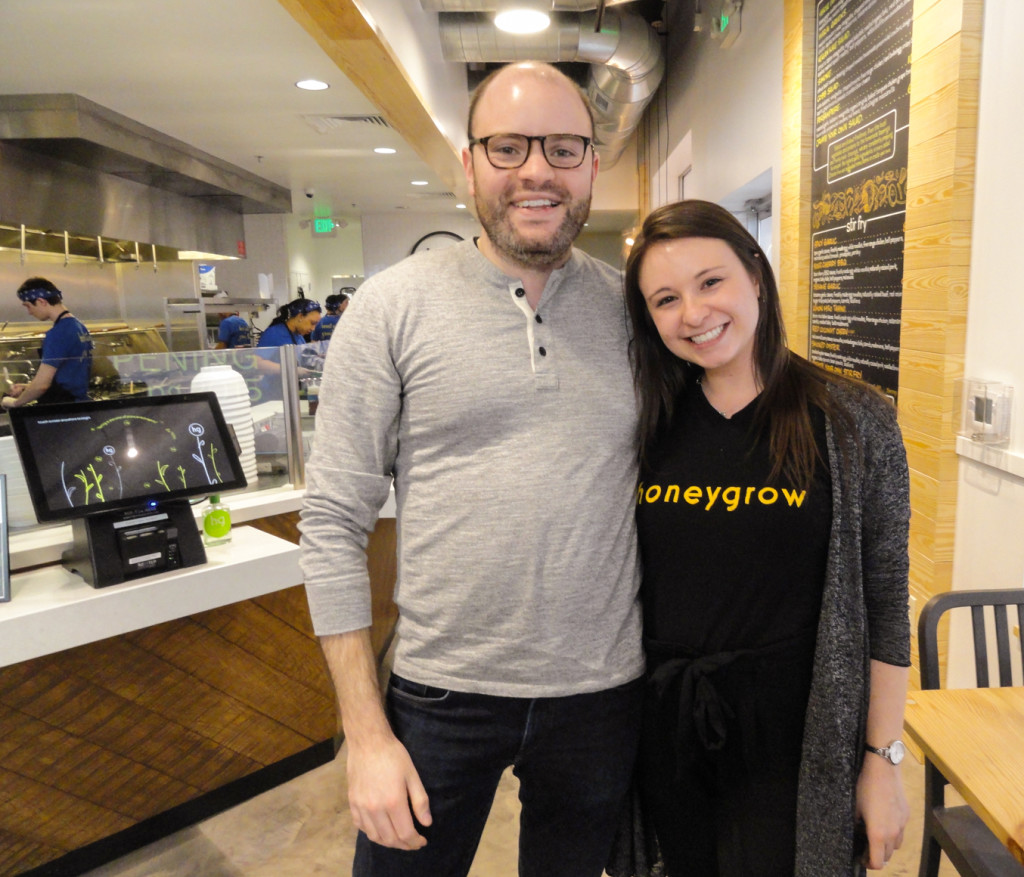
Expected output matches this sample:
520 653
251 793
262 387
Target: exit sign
323 226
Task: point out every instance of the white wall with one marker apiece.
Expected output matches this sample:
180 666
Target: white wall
266 254
313 260
994 351
989 548
616 187
388 237
729 102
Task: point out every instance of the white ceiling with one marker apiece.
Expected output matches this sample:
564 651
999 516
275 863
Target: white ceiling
220 75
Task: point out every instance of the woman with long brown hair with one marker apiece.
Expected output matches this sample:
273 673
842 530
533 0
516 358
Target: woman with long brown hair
773 515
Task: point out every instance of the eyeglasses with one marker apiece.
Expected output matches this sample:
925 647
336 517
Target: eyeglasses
509 151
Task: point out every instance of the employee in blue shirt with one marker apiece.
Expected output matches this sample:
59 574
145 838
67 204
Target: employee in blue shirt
233 332
335 305
66 354
293 322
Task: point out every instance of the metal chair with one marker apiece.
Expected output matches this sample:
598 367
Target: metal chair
957 831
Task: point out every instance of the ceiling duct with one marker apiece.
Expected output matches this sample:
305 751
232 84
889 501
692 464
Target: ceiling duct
626 58
492 6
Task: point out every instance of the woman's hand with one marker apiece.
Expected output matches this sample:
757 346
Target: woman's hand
882 807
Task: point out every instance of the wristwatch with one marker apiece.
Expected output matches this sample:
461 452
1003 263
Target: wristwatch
893 753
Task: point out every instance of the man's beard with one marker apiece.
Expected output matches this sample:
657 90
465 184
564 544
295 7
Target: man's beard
532 253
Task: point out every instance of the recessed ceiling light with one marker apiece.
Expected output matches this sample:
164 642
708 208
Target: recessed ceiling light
522 21
311 84
385 150
419 182
460 206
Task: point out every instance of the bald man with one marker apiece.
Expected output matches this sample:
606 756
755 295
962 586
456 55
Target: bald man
490 382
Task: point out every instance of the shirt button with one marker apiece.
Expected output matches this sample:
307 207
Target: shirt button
543 352
538 319
520 292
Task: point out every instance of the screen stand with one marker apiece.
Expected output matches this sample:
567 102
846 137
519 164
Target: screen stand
113 547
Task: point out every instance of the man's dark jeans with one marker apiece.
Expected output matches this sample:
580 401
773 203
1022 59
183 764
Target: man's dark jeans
573 756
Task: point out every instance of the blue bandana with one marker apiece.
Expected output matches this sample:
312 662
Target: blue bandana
302 306
38 292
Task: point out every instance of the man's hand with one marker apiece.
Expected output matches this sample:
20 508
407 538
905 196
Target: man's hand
382 784
384 789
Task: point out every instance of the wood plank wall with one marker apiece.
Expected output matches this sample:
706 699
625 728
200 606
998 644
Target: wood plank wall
943 131
100 737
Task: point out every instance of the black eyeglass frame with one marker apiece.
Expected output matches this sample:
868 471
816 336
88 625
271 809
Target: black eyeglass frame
482 141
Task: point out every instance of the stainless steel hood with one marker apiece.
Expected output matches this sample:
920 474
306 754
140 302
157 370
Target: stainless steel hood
68 164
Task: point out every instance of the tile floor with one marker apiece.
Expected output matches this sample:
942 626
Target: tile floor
303 829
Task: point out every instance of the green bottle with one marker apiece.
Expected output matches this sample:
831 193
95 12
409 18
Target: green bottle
216 522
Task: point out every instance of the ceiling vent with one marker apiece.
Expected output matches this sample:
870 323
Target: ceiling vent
329 124
419 196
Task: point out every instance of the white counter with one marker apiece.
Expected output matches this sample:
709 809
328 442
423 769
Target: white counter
44 545
52 609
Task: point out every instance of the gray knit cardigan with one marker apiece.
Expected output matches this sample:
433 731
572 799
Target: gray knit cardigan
863 617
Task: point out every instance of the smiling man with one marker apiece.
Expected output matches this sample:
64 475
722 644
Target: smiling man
489 381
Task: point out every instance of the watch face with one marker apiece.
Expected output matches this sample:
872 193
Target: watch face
896 751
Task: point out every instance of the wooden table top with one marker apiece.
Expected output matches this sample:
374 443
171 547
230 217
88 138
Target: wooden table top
976 738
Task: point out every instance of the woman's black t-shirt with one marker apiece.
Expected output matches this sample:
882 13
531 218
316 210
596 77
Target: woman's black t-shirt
730 561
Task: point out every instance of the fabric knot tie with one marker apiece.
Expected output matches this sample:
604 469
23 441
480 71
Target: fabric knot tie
701 709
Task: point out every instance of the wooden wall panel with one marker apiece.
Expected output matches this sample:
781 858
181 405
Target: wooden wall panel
940 204
940 200
797 146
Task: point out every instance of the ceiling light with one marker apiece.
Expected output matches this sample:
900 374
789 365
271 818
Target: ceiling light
460 206
385 150
522 20
311 84
419 182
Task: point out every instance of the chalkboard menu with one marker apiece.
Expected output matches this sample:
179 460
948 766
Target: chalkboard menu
859 186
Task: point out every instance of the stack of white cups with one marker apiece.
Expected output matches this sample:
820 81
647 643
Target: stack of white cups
233 396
